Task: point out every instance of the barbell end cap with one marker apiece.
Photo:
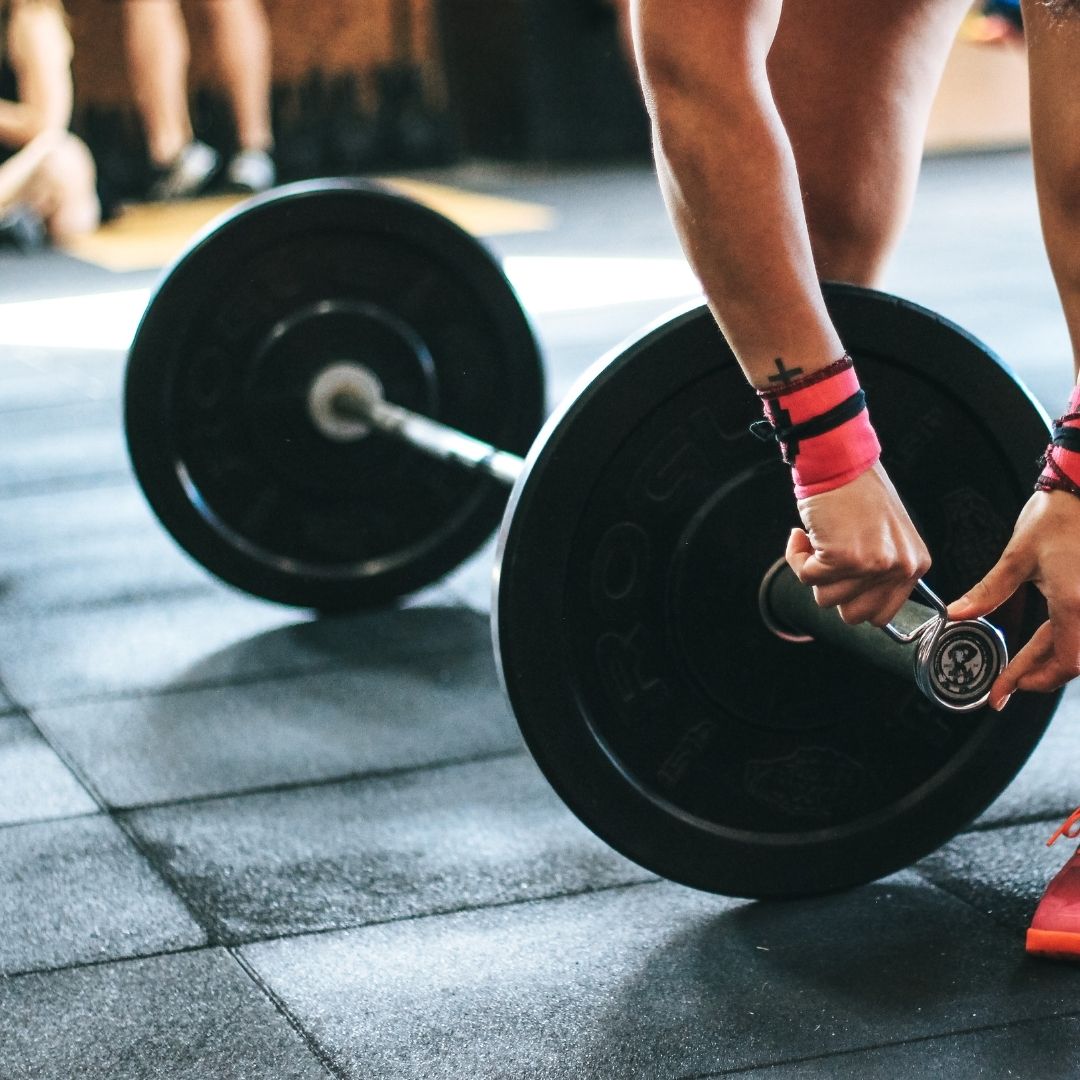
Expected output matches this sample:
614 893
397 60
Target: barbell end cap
957 666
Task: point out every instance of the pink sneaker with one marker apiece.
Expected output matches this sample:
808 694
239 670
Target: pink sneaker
1055 927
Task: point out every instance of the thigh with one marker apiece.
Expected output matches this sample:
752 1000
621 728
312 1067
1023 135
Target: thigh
854 82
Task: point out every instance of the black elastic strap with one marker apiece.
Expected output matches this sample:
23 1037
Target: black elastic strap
1068 438
790 437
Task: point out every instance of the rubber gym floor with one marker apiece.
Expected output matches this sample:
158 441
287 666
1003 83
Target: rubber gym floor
238 841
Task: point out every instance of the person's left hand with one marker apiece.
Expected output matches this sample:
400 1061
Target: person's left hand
1045 550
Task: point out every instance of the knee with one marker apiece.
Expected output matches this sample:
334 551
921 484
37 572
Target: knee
698 71
849 243
684 54
853 225
69 178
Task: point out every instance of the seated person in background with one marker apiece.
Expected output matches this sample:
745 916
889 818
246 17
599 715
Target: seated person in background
158 51
47 175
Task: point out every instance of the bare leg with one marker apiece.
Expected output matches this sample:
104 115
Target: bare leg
64 191
156 43
54 174
1053 34
19 170
729 177
854 83
240 38
730 174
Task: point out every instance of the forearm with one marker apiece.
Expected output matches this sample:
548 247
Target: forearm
729 178
19 123
1054 45
20 169
39 50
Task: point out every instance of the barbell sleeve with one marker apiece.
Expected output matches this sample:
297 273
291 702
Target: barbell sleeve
953 663
429 436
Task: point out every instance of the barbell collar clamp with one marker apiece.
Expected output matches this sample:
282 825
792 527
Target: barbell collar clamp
954 664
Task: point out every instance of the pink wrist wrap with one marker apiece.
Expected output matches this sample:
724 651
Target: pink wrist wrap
1061 463
821 424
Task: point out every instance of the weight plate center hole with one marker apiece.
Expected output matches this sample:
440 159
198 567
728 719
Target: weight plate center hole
340 395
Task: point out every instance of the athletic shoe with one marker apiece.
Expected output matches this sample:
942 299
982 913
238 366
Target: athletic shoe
22 228
1055 927
250 171
189 173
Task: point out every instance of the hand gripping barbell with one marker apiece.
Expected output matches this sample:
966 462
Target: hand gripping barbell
331 392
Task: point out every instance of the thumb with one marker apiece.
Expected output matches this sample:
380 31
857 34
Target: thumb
1003 579
799 549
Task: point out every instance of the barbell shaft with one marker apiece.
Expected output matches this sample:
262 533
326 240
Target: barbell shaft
430 436
953 663
787 606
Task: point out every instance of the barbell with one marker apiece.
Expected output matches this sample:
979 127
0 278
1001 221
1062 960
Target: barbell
332 391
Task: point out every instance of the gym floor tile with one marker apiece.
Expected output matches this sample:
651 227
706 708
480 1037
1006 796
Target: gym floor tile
49 272
623 212
390 848
146 646
222 638
22 387
470 583
287 731
95 572
1000 872
68 445
77 891
191 1016
1049 784
654 981
34 783
61 521
1034 1049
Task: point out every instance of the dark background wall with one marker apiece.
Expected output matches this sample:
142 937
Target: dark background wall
366 84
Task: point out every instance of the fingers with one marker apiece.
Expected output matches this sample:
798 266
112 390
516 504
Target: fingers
1003 579
859 594
862 600
1047 662
1036 653
799 549
858 549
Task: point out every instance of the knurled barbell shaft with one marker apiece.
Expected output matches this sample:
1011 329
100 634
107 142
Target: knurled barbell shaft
430 436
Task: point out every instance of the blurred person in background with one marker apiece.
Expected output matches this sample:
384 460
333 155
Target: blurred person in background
158 52
47 174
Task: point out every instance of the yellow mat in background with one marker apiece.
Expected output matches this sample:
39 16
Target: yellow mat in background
150 235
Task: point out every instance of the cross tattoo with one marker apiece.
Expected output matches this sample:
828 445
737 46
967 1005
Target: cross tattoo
785 375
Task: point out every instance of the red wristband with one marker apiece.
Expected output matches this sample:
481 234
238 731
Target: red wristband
822 426
1061 463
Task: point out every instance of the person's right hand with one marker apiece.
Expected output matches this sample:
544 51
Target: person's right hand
1044 550
859 549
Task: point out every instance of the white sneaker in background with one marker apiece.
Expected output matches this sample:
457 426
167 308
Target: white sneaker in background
250 170
188 174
